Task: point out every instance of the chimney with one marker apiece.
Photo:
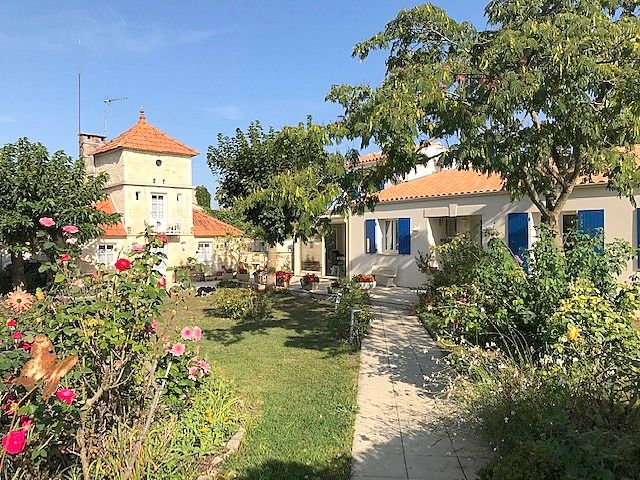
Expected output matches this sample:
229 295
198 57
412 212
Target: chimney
88 144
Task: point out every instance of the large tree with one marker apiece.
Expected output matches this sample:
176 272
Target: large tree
36 185
546 97
281 181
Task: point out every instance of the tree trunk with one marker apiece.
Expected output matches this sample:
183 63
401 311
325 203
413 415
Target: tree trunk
271 267
552 220
17 270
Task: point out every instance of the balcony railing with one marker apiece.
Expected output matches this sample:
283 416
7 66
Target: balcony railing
173 228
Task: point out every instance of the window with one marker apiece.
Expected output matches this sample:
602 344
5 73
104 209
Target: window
137 195
106 253
389 235
451 227
158 212
569 223
204 253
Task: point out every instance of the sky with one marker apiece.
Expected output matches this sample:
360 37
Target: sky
198 67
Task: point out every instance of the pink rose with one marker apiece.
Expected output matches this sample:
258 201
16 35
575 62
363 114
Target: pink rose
66 395
192 373
186 333
162 282
177 349
137 247
14 441
196 334
163 238
11 322
47 222
153 326
17 335
70 229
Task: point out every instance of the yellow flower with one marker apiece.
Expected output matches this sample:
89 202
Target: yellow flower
572 332
204 430
19 301
39 294
13 408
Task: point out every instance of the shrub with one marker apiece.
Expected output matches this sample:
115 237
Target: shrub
106 322
241 304
352 297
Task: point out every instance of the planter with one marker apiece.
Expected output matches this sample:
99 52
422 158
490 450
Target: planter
313 286
243 277
226 276
282 283
366 285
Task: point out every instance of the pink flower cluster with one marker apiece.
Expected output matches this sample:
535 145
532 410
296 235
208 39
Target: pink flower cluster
198 368
191 333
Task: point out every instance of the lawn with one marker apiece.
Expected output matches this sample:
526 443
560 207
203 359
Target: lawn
299 383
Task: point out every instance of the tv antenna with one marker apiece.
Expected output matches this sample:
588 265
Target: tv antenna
107 102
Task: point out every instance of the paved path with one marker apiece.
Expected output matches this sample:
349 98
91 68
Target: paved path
402 430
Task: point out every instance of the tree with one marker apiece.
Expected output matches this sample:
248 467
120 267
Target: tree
36 185
203 197
547 97
281 181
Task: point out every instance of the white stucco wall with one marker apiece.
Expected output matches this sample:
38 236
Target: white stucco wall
619 222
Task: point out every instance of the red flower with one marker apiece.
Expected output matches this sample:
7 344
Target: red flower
14 441
65 257
163 238
162 282
25 423
66 395
123 264
17 335
26 346
11 322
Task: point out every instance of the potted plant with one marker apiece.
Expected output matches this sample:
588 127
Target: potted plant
283 278
227 273
366 282
260 276
334 287
310 282
242 273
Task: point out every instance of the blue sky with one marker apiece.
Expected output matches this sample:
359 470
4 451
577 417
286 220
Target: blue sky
197 67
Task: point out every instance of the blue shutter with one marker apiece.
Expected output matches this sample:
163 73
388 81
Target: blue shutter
404 236
370 236
518 232
638 235
381 185
591 222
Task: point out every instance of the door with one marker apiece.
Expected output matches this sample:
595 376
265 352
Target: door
158 212
518 233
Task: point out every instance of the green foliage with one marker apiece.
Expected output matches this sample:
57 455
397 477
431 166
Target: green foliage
44 185
282 181
203 197
481 294
240 304
352 296
109 320
542 97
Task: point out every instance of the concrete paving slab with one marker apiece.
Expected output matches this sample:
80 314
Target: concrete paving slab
402 429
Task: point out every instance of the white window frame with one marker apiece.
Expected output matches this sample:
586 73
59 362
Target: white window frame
155 210
106 253
205 254
389 236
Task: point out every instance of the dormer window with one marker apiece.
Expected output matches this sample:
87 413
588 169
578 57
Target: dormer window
158 162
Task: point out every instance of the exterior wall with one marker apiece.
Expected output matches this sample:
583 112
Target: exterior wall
619 223
140 169
111 163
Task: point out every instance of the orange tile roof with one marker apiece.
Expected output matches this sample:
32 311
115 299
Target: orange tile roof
145 137
369 158
204 225
110 231
443 184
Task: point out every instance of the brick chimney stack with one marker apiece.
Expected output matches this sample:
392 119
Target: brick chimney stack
88 144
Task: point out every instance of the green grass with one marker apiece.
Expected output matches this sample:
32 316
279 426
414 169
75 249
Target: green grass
299 382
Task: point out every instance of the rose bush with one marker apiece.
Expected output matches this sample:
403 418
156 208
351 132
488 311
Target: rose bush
127 375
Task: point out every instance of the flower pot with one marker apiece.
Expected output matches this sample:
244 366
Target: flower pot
366 285
227 276
243 277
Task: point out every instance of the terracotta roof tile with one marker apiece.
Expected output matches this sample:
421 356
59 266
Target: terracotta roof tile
111 231
204 225
442 184
145 137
